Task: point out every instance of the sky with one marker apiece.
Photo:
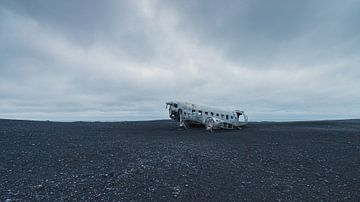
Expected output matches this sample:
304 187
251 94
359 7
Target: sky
117 60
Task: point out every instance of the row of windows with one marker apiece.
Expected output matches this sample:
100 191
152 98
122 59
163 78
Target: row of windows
211 113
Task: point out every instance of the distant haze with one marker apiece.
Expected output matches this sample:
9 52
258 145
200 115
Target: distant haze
122 60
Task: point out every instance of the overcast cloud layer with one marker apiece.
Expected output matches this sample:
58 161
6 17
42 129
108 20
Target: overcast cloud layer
122 60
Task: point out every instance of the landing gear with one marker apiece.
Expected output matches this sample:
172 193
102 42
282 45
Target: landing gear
209 123
182 122
183 125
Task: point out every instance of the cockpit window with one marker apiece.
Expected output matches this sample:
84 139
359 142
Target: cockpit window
175 105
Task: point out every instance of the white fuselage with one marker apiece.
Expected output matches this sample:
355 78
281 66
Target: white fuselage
212 118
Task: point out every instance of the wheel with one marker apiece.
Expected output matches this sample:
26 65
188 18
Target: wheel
209 123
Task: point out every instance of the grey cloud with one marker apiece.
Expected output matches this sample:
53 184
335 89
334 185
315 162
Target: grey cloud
85 23
121 60
251 31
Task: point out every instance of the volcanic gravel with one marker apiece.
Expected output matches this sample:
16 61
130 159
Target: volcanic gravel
154 160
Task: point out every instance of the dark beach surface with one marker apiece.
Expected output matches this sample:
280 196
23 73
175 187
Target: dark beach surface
153 160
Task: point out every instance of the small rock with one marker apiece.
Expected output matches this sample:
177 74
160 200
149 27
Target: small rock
176 191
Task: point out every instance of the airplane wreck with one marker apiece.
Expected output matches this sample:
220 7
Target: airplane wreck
189 114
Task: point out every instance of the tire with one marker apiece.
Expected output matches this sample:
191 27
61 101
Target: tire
209 123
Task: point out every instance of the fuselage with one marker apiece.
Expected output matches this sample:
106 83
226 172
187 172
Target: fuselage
188 113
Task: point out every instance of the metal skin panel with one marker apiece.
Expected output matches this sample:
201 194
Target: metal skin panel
187 113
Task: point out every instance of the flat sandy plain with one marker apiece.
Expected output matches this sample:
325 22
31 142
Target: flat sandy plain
153 160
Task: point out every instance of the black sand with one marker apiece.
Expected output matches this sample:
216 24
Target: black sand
121 161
